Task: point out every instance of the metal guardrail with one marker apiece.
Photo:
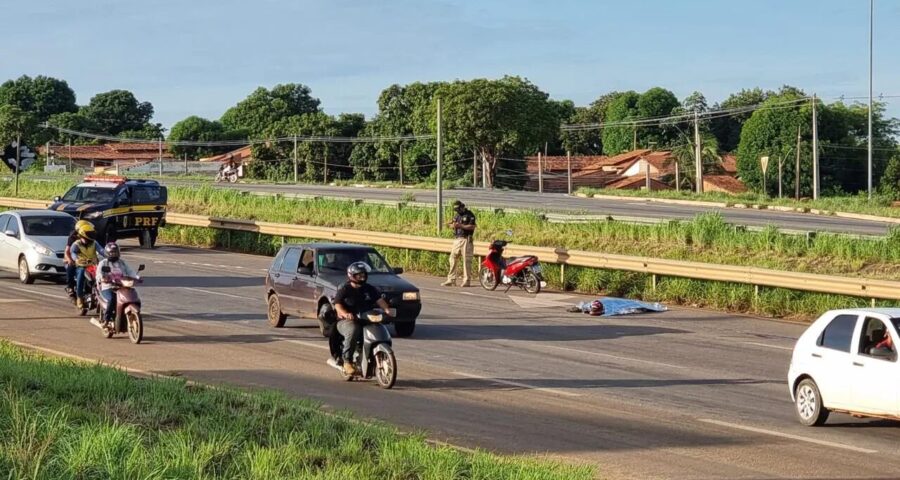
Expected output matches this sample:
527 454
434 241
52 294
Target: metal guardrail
810 282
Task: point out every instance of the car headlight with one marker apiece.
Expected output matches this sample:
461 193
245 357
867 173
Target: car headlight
43 250
93 215
410 296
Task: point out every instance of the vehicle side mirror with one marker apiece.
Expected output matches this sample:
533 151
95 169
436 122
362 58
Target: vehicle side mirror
57 198
398 270
883 353
10 233
106 269
141 267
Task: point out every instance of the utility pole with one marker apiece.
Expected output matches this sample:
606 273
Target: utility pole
871 58
647 175
401 163
475 168
780 166
295 159
325 173
160 157
677 178
634 137
815 152
18 161
185 164
440 156
697 152
70 156
569 169
797 168
540 174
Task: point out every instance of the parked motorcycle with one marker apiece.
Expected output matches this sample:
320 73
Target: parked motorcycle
523 272
128 317
91 300
227 175
374 356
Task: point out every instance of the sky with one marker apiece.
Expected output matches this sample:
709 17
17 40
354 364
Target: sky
200 57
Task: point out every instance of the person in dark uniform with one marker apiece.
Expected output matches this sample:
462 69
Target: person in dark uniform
463 225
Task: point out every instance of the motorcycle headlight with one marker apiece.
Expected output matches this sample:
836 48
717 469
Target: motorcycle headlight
93 215
410 296
43 250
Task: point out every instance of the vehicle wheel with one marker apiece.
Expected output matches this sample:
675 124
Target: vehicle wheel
810 409
135 327
531 283
487 278
233 179
276 318
385 369
24 272
326 319
81 311
404 329
147 238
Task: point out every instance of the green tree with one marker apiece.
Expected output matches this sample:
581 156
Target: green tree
197 129
497 118
656 103
16 123
890 181
262 108
41 96
685 157
619 109
118 111
72 121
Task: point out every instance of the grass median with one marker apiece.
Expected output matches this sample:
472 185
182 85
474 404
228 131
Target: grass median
65 420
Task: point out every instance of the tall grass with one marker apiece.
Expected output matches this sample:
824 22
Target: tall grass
65 420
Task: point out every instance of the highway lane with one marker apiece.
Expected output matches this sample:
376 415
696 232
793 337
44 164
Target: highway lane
569 204
680 394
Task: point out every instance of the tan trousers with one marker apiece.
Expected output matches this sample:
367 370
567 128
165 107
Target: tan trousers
462 247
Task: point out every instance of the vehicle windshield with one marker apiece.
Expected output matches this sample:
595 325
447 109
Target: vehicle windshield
55 226
89 194
339 260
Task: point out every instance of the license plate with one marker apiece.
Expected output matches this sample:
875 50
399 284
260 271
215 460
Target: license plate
536 268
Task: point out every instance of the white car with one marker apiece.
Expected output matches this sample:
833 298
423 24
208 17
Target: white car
846 361
33 243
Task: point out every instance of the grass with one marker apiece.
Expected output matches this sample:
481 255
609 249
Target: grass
880 205
65 420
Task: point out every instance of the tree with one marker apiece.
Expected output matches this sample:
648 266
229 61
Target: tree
72 121
684 155
496 118
199 129
118 111
695 102
620 138
41 96
656 103
727 129
262 108
16 123
890 181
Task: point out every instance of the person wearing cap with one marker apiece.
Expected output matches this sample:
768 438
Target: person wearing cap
463 225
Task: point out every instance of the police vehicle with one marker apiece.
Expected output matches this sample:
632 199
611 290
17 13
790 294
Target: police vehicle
118 207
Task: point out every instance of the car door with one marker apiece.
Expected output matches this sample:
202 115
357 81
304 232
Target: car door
284 279
6 250
13 243
831 359
303 285
875 380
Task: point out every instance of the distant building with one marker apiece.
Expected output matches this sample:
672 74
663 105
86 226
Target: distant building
723 183
121 155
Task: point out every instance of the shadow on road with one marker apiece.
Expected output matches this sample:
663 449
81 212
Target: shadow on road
216 317
545 333
223 339
203 281
477 384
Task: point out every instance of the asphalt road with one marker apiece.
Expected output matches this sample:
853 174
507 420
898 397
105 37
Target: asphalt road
552 202
680 394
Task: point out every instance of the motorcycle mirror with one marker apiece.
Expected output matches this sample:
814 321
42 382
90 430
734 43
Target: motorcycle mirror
141 267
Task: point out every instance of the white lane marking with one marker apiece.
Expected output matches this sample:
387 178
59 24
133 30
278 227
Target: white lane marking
786 435
517 384
176 319
768 346
15 300
607 355
219 293
309 344
43 294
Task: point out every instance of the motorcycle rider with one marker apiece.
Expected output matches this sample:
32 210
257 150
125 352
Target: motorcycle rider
70 264
84 252
118 270
355 297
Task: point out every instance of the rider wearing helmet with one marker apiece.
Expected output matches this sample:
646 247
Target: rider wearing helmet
118 269
353 298
70 264
84 252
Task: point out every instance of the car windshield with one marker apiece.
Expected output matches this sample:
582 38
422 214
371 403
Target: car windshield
89 194
56 226
339 260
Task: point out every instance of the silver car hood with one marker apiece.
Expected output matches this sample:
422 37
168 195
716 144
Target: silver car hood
57 244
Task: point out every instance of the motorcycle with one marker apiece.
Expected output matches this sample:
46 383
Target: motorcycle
227 174
523 272
374 356
91 300
128 309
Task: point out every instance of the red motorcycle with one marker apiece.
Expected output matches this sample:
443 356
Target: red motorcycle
523 272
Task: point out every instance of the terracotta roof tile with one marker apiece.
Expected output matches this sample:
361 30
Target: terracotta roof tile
726 183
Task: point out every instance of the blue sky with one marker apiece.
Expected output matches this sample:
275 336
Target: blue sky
200 57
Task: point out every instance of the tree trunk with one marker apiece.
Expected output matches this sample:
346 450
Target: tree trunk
490 160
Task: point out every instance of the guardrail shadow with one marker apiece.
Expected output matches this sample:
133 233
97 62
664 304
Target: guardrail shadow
198 281
538 333
479 384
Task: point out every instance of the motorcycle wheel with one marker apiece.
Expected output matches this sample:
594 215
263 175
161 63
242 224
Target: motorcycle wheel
233 179
487 278
135 327
531 283
385 369
107 332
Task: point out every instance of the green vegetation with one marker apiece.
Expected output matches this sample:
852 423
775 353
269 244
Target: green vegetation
66 420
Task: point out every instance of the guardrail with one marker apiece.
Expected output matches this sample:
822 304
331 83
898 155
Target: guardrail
758 277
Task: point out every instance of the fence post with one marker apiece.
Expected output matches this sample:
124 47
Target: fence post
569 169
540 174
185 164
562 276
653 282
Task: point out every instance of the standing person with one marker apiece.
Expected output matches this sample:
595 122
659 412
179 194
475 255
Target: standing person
463 225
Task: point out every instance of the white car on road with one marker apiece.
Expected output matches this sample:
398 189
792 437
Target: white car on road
33 243
846 361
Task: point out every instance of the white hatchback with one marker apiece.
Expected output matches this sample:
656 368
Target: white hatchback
846 361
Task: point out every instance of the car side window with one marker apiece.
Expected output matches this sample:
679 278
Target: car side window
279 259
307 259
875 334
124 196
144 195
13 226
291 261
838 335
3 219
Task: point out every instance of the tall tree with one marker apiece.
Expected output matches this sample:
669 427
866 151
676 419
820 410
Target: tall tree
620 138
727 129
41 96
72 121
117 111
16 123
685 156
890 181
656 103
199 129
262 108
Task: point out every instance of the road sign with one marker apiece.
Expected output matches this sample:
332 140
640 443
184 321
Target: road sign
764 163
25 156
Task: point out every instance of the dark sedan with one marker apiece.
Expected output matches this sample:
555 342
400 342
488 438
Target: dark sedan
304 278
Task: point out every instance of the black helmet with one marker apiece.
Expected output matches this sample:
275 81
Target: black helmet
458 206
112 251
358 272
